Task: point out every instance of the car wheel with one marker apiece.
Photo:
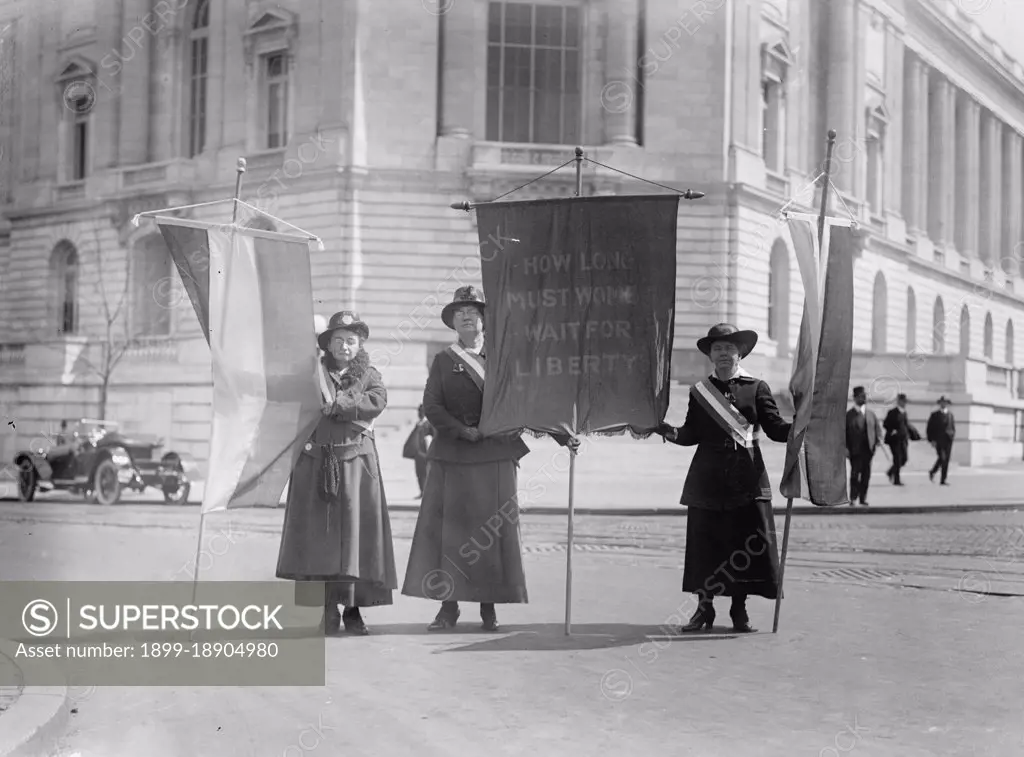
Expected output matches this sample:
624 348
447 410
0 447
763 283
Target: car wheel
27 480
106 486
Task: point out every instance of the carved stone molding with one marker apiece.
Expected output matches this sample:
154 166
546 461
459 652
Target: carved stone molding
270 28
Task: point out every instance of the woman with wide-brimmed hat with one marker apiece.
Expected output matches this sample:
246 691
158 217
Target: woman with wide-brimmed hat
336 526
467 546
730 531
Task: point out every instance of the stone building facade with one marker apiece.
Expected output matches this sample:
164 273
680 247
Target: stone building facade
363 121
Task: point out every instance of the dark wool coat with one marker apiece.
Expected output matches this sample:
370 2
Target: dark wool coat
863 432
724 476
941 427
336 525
451 401
899 431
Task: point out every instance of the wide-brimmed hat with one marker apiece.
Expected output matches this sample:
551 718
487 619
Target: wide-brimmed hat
468 295
346 320
726 332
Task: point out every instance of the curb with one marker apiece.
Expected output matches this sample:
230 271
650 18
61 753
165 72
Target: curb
36 720
777 510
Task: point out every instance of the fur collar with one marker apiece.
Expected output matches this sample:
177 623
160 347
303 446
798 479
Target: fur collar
358 367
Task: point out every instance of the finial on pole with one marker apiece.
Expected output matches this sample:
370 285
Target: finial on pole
464 205
692 194
239 170
579 172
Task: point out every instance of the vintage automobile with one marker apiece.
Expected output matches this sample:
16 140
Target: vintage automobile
94 458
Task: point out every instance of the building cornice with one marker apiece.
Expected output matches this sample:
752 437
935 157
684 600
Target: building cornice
931 18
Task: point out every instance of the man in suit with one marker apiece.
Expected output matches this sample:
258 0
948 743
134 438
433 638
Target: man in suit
941 431
863 436
899 432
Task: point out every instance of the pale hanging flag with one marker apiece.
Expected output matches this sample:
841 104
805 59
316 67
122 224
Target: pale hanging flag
252 292
815 467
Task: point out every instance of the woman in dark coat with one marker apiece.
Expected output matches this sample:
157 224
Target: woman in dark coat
467 546
336 526
730 531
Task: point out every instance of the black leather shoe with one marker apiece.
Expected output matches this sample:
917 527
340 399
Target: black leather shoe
704 617
445 620
489 617
354 622
331 623
740 619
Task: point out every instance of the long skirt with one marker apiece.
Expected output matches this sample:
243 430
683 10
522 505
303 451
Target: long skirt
732 552
467 545
344 541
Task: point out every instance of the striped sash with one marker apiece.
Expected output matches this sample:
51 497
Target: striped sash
328 393
471 363
731 420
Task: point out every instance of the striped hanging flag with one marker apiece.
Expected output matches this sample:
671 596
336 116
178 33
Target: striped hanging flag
816 451
252 292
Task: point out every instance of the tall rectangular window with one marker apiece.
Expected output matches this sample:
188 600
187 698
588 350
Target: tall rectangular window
197 98
79 147
771 124
275 99
198 62
534 73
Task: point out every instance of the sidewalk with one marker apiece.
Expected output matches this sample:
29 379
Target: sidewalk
625 476
32 718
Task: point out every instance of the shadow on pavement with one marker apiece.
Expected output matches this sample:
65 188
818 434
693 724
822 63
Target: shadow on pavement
546 637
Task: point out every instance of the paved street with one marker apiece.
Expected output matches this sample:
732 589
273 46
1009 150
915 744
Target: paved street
899 636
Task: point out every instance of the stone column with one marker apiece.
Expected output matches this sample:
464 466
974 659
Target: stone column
618 97
840 108
133 106
915 111
1012 177
164 115
941 161
990 235
967 157
458 33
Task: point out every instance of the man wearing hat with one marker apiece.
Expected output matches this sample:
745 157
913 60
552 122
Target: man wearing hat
899 432
727 494
863 437
941 431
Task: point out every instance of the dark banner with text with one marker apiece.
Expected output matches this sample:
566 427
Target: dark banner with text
580 313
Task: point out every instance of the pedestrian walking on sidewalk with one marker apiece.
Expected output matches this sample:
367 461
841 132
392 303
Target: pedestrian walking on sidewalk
416 446
899 432
467 545
941 431
863 438
730 530
336 525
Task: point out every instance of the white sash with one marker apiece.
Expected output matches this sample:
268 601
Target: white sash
729 418
472 362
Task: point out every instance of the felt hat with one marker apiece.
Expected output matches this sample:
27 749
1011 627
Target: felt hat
944 399
726 332
467 295
345 320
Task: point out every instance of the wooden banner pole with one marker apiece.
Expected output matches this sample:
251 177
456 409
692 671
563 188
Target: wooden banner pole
826 185
239 170
572 458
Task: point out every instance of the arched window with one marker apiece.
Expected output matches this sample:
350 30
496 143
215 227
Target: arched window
64 264
199 41
965 332
939 327
778 297
911 320
1009 354
989 349
879 315
153 288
